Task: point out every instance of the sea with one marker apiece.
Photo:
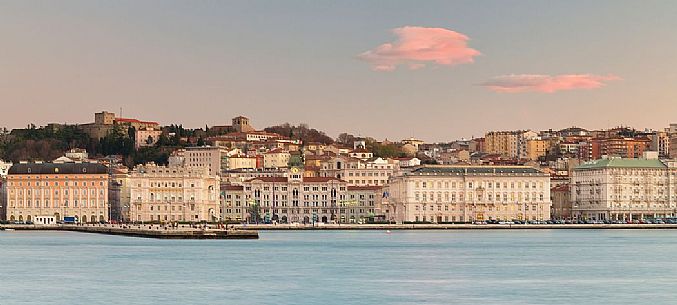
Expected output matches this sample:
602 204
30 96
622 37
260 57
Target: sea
343 267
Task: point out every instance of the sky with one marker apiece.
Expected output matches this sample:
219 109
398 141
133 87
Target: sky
435 70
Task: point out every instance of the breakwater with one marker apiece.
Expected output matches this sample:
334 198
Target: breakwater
147 231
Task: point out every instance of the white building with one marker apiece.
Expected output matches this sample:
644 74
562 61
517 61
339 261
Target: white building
624 189
214 159
77 154
441 193
166 193
357 172
408 162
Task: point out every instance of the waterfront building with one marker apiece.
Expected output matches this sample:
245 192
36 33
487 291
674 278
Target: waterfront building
441 193
296 198
624 189
3 199
561 202
173 193
57 190
119 194
234 207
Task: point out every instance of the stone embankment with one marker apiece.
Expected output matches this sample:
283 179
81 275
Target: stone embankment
148 231
451 226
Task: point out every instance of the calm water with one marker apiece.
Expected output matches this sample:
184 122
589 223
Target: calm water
344 267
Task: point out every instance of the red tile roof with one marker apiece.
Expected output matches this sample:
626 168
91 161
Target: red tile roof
124 120
269 179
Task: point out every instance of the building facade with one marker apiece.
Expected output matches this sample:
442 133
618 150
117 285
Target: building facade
624 189
145 137
441 194
173 194
356 172
57 190
298 199
214 159
512 144
561 202
276 158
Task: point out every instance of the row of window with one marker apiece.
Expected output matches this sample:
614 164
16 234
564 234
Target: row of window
55 192
471 184
55 183
56 204
519 207
479 197
306 211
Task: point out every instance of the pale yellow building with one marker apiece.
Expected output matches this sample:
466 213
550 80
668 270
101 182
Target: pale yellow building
511 144
241 162
537 148
276 158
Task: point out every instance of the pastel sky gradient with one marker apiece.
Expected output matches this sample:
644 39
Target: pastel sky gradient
437 70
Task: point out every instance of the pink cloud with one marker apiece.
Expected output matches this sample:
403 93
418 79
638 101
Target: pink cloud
517 83
417 46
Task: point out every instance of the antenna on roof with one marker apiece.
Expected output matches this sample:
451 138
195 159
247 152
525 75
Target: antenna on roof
120 111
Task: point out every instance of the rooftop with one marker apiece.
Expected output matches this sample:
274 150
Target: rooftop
464 169
57 168
621 163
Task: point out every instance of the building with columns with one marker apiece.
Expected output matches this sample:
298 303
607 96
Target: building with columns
442 193
53 191
624 189
173 193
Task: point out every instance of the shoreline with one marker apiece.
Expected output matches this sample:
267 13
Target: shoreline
147 231
251 231
423 227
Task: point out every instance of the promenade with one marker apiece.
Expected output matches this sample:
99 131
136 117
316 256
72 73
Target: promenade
319 226
147 231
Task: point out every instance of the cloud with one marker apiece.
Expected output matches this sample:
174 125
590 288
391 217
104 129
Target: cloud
516 83
417 46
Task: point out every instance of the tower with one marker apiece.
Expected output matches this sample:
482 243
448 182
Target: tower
241 124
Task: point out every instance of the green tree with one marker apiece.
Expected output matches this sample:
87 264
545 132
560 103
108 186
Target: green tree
255 212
